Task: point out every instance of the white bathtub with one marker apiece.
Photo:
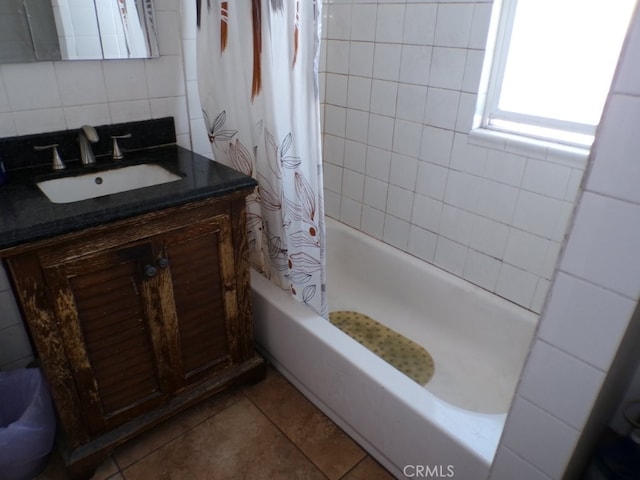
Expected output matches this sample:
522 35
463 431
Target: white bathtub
478 341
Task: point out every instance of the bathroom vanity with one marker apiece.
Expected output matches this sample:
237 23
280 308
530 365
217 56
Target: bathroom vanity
137 303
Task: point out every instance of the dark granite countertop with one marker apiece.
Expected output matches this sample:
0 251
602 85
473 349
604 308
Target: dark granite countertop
26 214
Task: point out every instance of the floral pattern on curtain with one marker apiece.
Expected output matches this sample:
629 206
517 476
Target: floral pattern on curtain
258 84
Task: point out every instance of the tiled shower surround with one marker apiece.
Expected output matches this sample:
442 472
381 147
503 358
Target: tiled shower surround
401 82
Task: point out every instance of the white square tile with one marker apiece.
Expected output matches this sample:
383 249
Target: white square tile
627 79
462 190
505 167
431 180
480 26
407 137
333 151
337 56
332 176
7 125
10 312
355 155
560 384
615 170
450 255
352 184
489 236
516 285
414 64
383 97
573 185
466 112
399 202
509 466
496 201
335 120
39 121
411 102
403 171
372 222
175 107
386 61
336 89
350 212
396 232
422 243
540 295
539 438
426 212
467 157
332 202
447 67
453 25
363 22
442 108
14 344
481 270
603 246
96 114
359 96
456 224
436 145
472 71
31 86
339 22
357 125
546 178
419 24
375 193
125 80
378 163
80 83
585 320
361 59
526 251
389 23
381 131
165 76
540 215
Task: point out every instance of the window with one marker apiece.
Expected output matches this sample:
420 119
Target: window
552 66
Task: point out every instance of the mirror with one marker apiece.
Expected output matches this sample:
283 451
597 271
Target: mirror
37 30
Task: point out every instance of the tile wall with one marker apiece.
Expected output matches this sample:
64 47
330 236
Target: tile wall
48 96
401 84
589 317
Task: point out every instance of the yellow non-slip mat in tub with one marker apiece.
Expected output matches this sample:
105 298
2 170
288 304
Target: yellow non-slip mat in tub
395 349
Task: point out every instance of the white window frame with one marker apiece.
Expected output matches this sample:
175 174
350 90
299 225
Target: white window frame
492 124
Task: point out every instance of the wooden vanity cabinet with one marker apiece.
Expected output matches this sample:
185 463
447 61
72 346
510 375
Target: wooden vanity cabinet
137 320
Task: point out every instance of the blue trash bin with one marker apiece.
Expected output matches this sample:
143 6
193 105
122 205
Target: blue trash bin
27 424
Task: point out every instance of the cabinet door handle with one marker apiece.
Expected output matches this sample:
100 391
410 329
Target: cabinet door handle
150 271
163 263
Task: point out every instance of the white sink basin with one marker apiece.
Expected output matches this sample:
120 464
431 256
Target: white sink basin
98 184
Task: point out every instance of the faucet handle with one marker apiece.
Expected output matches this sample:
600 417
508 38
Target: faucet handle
58 164
117 153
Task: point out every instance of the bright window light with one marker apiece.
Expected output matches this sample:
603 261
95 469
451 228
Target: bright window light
553 66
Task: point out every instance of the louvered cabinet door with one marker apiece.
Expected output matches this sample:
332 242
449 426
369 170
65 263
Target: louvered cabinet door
111 321
200 262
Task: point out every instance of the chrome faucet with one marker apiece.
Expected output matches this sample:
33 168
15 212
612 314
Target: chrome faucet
88 135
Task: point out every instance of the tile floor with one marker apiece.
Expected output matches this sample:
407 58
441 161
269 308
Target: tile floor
265 431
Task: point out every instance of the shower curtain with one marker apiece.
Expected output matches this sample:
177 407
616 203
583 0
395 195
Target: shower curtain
258 83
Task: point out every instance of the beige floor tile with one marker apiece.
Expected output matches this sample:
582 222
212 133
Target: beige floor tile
55 470
237 443
149 441
328 447
368 469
